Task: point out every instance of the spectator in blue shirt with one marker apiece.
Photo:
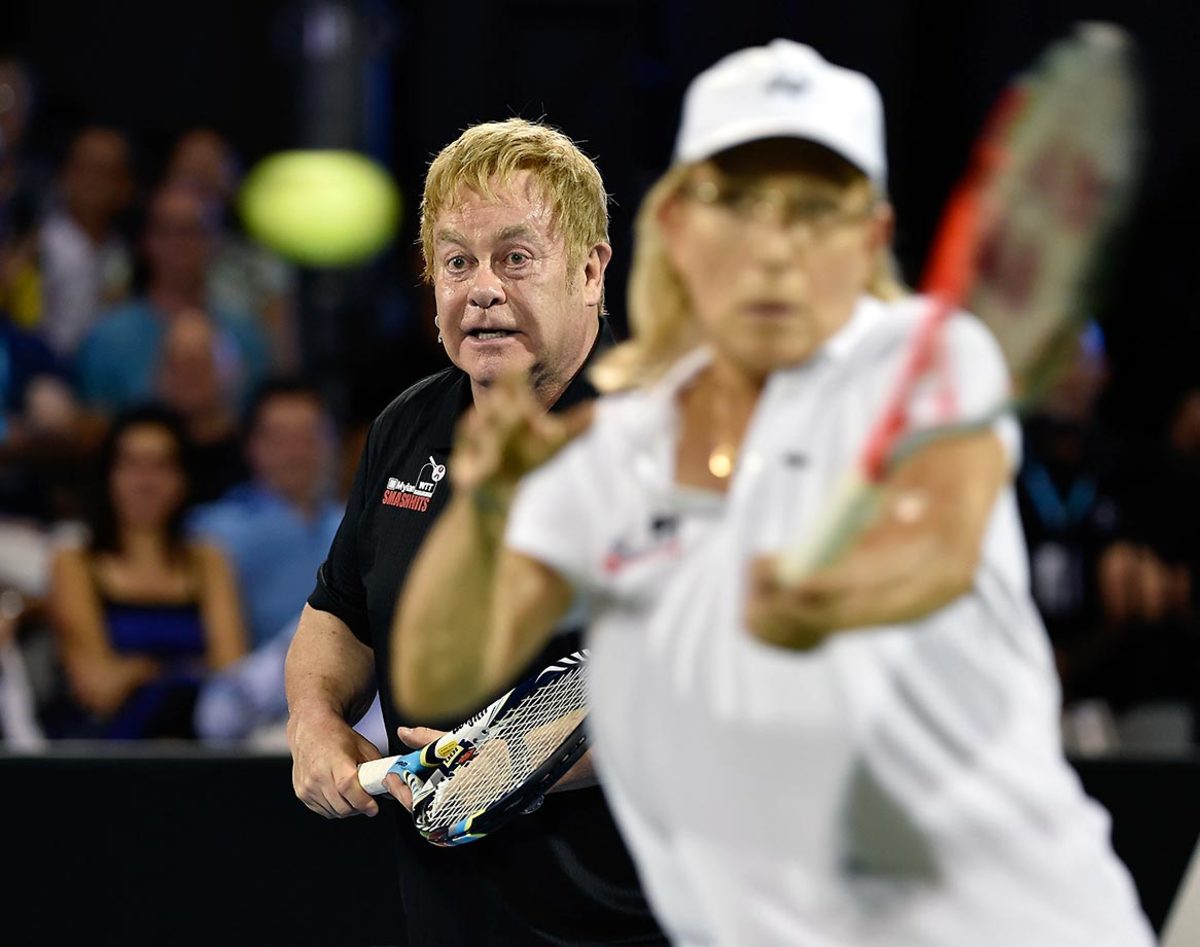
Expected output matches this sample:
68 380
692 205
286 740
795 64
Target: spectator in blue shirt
276 529
119 357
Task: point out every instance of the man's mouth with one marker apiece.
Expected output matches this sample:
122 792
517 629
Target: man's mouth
489 335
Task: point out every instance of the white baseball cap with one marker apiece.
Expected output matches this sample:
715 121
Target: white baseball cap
783 90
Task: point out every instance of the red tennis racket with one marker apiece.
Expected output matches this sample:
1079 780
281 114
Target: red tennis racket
1020 244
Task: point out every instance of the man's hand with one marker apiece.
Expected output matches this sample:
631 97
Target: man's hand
416 737
326 752
579 776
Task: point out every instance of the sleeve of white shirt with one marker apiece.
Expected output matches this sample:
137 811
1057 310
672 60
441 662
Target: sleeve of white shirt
976 379
552 517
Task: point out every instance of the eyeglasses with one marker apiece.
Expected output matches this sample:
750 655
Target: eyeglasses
812 216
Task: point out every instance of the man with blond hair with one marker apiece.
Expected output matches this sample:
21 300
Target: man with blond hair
514 230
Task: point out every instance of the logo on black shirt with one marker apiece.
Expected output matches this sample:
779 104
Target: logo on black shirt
415 496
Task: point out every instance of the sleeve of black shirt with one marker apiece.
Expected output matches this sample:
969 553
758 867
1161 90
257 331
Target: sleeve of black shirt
339 589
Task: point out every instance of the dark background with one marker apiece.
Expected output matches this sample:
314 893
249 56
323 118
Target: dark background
399 80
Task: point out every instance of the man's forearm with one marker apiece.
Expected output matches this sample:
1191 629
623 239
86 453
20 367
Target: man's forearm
328 670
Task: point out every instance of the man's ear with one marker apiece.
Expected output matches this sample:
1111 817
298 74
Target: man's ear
593 272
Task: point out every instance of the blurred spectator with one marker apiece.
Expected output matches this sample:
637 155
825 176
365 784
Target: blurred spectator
1109 600
21 180
43 433
193 381
32 675
1072 487
22 193
19 727
83 260
141 612
245 277
24 358
247 702
14 117
118 360
277 528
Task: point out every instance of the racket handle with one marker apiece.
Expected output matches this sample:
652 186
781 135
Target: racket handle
371 774
852 510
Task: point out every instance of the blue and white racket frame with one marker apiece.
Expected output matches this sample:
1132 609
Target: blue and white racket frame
424 770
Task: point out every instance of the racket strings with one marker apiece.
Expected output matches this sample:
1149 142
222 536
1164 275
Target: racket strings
509 752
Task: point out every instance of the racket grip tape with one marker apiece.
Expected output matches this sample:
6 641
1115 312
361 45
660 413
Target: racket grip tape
372 773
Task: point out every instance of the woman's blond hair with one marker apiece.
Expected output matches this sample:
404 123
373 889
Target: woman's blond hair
661 325
494 152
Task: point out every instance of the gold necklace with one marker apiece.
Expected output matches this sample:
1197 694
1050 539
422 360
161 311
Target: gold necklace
723 456
721 460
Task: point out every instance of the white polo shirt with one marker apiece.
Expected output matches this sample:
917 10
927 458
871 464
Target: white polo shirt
900 785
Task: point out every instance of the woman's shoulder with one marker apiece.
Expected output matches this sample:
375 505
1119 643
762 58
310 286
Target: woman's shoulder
205 556
882 327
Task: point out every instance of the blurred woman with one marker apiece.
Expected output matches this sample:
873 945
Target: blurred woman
865 756
142 613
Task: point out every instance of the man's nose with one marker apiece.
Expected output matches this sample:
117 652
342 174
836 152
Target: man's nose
486 290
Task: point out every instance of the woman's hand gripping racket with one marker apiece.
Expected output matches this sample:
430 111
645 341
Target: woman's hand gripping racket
499 763
1019 244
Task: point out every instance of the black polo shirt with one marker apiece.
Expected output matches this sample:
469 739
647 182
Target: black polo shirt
561 871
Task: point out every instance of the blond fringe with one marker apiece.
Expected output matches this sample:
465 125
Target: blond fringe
494 152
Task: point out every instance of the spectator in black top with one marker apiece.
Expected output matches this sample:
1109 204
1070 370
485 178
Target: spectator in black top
515 237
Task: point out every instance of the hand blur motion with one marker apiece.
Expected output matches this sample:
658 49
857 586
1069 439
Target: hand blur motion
790 615
893 574
509 434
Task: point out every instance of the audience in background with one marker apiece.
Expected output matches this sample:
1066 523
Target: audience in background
83 261
141 612
1098 566
244 278
1110 521
118 360
276 529
197 380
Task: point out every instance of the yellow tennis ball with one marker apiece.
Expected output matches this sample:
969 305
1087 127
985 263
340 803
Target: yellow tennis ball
320 208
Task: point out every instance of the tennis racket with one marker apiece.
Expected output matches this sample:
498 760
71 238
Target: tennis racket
1020 244
499 763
